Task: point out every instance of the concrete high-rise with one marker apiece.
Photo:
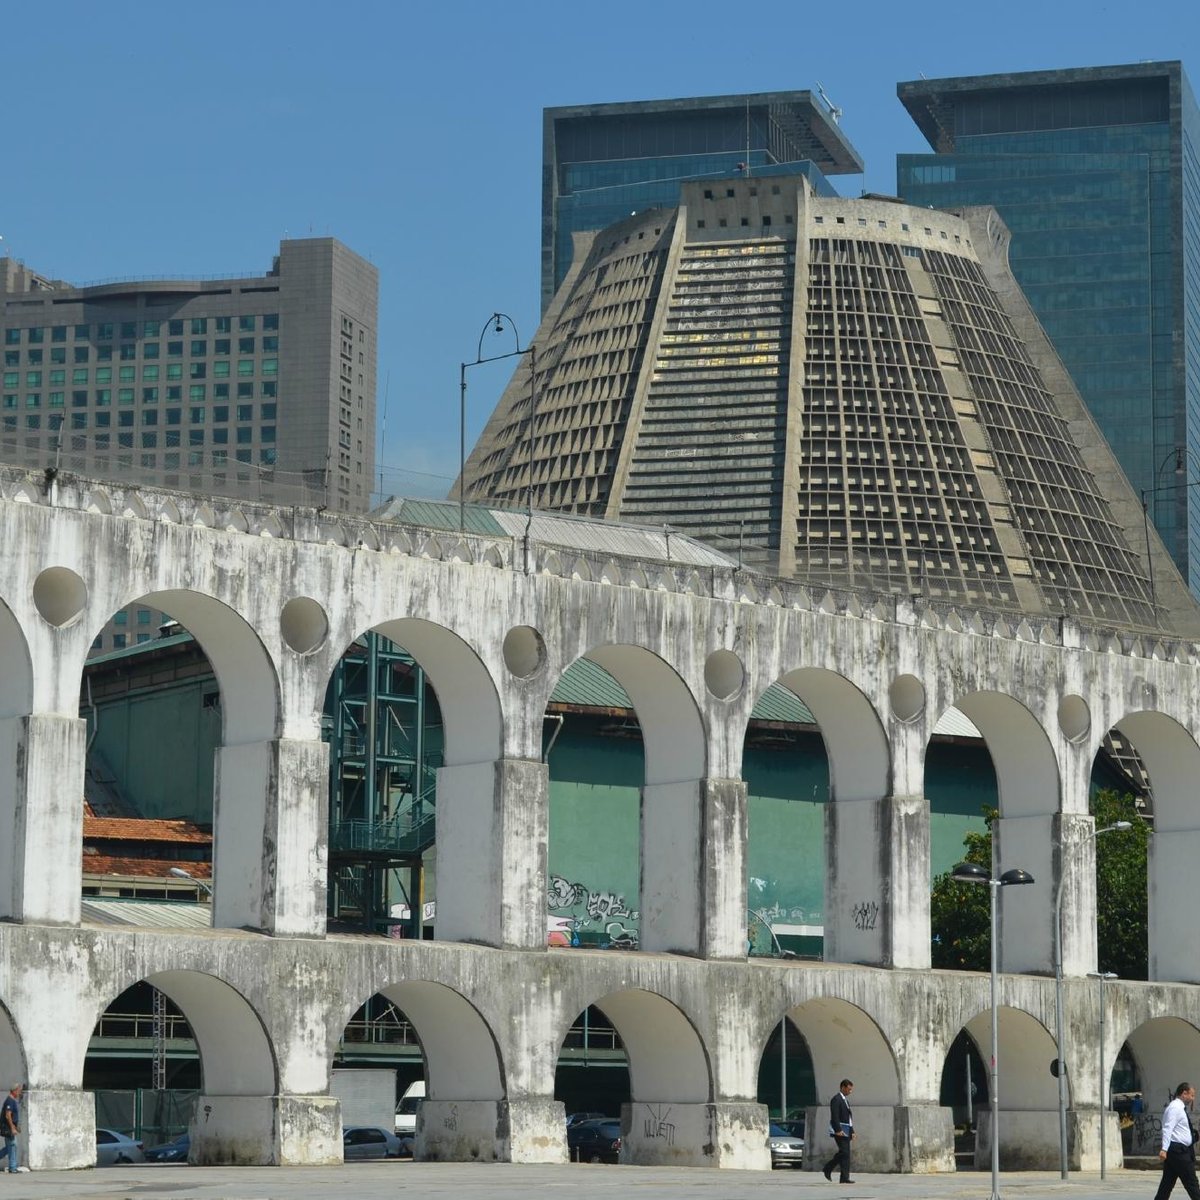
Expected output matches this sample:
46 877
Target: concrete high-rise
601 162
854 392
259 387
1096 172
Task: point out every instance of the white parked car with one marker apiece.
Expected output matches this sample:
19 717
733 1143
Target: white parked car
369 1141
113 1149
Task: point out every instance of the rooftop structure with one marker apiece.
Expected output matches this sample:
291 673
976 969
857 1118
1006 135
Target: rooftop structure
849 392
600 162
1096 171
254 387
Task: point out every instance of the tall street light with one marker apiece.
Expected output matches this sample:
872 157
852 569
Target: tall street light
1102 976
496 323
968 872
1061 1061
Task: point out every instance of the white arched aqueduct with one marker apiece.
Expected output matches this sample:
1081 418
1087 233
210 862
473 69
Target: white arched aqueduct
274 597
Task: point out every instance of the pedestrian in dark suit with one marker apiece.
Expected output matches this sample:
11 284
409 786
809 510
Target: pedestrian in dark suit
841 1125
1178 1153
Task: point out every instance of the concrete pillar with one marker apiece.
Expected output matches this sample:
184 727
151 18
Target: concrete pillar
493 826
1074 870
1028 1139
1026 914
59 1129
517 1131
729 1134
693 877
877 882
270 830
266 1131
1173 933
41 814
916 1138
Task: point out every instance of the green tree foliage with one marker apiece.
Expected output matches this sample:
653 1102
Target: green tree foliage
959 911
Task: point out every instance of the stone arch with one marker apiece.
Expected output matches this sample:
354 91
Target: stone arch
462 1056
667 1060
1027 774
846 1043
236 1055
1028 1092
244 670
855 740
12 1052
673 733
1172 760
1162 1049
465 689
16 675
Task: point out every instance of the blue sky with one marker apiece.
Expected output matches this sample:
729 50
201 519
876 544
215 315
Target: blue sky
165 139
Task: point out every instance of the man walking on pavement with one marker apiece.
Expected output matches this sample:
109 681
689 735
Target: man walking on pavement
841 1125
1178 1153
10 1126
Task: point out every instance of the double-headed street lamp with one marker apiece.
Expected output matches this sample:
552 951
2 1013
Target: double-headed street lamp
969 872
1061 1062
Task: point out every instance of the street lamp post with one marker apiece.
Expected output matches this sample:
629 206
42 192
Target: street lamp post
1179 454
968 872
1102 976
496 322
180 873
1060 890
780 952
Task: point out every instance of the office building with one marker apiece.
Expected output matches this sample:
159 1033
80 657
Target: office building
850 392
602 162
1096 173
261 387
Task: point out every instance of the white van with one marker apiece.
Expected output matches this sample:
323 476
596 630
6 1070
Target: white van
406 1110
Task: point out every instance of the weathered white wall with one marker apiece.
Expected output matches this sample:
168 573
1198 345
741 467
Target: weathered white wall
275 597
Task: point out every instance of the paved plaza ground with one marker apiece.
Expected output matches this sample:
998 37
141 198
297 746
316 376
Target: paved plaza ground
375 1181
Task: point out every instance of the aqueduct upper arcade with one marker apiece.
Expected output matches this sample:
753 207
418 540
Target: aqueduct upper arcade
275 595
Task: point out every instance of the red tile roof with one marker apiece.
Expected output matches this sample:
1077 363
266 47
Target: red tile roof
141 829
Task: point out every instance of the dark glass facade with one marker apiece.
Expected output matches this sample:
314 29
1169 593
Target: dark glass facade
603 162
1095 174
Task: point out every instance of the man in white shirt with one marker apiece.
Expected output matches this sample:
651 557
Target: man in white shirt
1178 1153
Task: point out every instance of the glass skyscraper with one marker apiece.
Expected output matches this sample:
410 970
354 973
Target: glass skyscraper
1095 173
602 162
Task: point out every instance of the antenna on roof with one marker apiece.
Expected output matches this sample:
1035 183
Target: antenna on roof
834 112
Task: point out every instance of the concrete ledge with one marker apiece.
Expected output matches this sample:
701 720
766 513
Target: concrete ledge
730 1135
527 1131
266 1131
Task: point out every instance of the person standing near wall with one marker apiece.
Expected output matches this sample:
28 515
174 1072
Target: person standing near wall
10 1126
841 1125
1178 1153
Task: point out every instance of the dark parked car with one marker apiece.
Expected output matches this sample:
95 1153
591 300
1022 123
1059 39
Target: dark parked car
787 1150
576 1117
595 1141
176 1151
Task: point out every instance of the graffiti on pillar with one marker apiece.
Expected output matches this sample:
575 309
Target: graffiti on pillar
656 1127
583 916
450 1121
865 914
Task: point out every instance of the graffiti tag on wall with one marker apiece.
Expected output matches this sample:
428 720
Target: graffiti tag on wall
656 1127
865 914
603 914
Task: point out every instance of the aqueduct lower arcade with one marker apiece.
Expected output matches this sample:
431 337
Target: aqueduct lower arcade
274 598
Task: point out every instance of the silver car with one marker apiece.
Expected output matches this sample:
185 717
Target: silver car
115 1149
369 1141
787 1150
